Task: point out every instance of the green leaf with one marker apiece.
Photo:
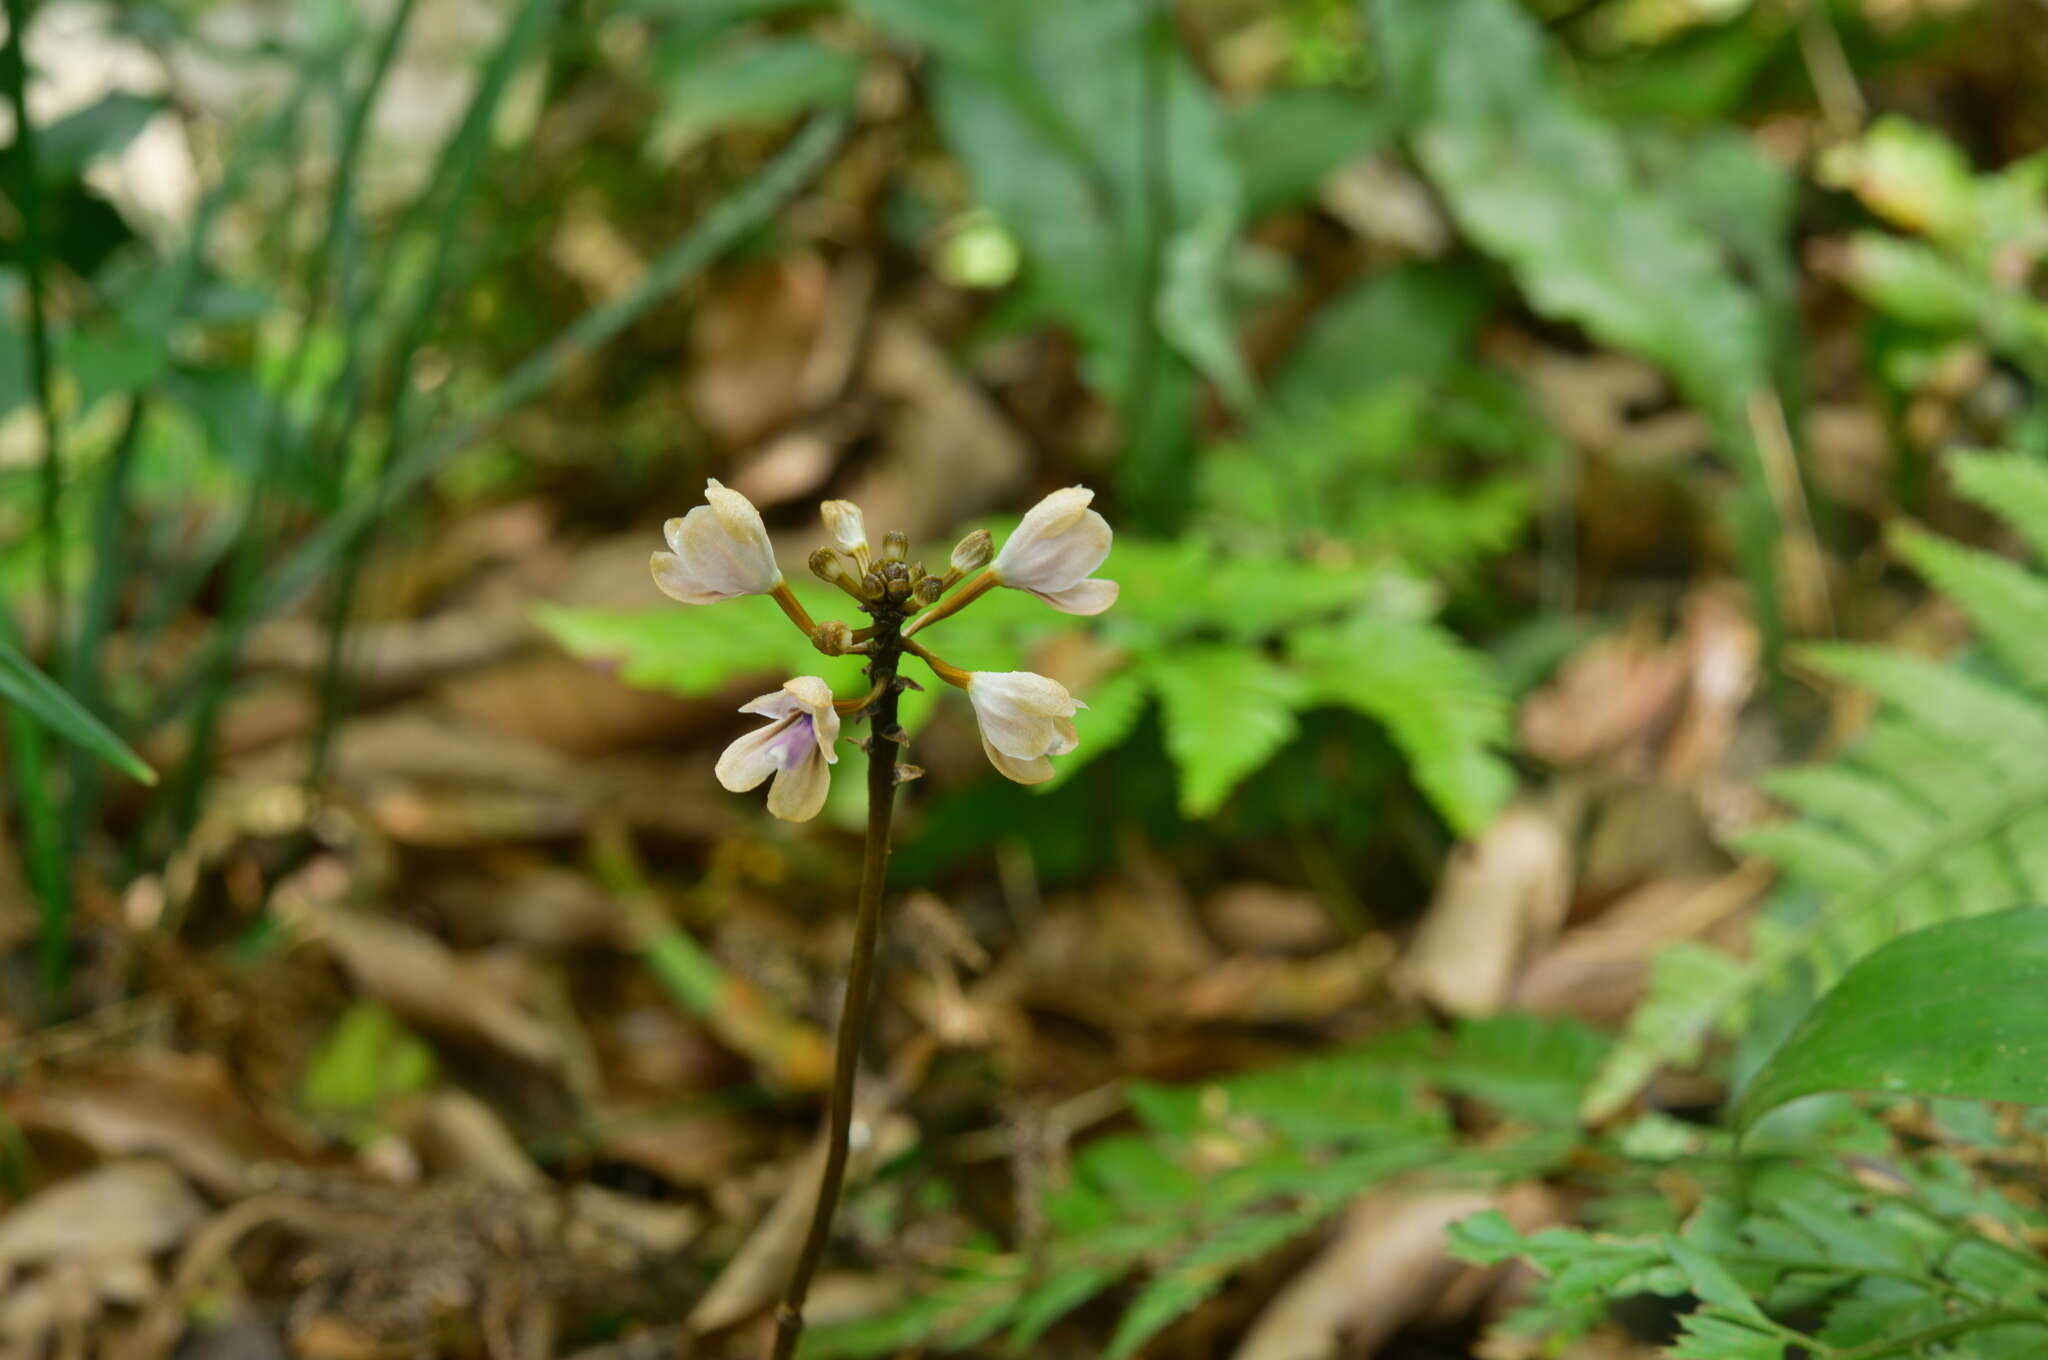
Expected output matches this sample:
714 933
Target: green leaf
1436 698
1959 1009
1411 323
1044 104
1549 188
1710 1279
44 700
1708 1336
2008 603
1227 709
1691 987
754 82
684 650
66 147
1286 141
2013 488
367 1060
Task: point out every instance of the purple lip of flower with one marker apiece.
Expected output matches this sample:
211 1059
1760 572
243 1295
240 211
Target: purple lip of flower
793 742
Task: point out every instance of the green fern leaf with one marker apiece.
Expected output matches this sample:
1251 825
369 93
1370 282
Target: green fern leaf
1435 697
2013 488
2008 603
1711 1336
1691 987
1227 710
1939 813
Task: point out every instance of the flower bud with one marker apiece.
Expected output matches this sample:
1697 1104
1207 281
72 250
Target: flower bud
973 552
872 586
719 551
895 546
830 568
927 589
833 638
843 521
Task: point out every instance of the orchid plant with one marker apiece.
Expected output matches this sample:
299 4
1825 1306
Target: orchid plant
720 551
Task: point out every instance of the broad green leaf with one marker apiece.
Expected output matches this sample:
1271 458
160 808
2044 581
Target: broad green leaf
692 651
1959 1009
1286 141
48 703
1538 181
1089 135
1412 323
66 147
1226 709
754 82
1913 282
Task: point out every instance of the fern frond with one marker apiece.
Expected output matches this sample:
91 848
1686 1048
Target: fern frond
2007 603
1939 813
2013 488
1435 698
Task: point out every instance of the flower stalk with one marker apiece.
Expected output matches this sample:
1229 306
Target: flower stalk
884 736
720 551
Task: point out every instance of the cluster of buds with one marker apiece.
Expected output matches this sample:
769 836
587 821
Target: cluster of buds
720 551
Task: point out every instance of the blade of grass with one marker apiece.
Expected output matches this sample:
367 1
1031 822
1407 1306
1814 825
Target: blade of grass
80 672
722 229
247 547
462 164
42 814
30 691
28 201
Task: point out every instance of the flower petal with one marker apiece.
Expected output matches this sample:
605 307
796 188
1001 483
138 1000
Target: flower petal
1035 771
1020 712
1083 597
815 697
799 791
844 522
753 756
681 584
1057 548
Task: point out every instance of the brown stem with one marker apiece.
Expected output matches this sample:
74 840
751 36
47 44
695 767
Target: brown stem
883 733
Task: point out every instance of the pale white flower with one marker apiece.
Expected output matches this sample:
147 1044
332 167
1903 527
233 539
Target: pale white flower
1024 718
848 528
719 551
1060 541
795 747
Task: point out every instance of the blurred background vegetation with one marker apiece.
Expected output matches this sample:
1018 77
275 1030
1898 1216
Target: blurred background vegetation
1574 463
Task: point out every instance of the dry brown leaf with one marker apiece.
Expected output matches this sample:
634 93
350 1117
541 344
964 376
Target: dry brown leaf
1597 971
1720 646
462 997
182 1107
1386 1266
756 1273
1608 704
1266 918
752 342
1256 991
1499 897
951 452
458 1135
121 1211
